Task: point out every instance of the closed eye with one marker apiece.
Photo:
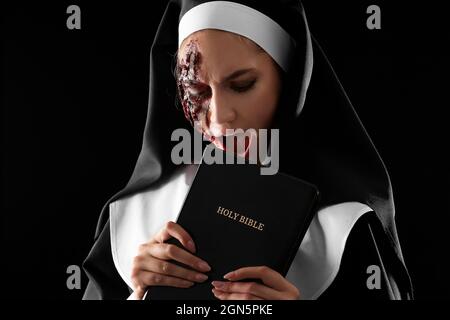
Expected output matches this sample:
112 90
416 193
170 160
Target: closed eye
243 87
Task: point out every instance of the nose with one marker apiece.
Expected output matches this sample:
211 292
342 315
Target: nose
221 112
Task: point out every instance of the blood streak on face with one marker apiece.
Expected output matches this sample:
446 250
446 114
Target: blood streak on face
195 106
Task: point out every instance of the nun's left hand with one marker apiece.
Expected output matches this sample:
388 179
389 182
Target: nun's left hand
275 286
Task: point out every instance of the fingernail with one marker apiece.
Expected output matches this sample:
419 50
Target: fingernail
191 245
229 275
201 277
217 284
204 266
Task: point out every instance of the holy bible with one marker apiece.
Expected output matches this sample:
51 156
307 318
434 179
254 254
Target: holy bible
238 217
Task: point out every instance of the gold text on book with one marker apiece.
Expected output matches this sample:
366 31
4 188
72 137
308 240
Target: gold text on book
240 218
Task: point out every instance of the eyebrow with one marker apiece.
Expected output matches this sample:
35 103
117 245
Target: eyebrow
231 76
237 73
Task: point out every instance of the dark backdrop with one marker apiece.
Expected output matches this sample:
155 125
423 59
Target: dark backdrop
74 105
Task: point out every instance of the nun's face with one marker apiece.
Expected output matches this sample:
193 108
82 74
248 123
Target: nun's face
226 81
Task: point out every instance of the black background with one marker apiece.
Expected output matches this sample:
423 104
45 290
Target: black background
74 105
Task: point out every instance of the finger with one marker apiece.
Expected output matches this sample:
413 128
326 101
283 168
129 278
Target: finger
166 268
167 251
173 229
147 278
252 288
234 296
269 277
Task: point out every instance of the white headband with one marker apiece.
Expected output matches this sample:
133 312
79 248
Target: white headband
240 19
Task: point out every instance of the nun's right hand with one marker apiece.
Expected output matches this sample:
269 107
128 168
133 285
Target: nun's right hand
152 268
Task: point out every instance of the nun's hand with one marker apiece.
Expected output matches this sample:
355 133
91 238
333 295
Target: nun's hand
274 287
151 268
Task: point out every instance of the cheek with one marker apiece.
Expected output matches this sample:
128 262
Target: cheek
260 106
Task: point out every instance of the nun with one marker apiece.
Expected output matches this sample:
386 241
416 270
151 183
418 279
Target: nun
218 65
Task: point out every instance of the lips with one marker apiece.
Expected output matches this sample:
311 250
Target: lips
218 130
239 141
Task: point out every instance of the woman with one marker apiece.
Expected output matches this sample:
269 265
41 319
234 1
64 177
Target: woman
249 64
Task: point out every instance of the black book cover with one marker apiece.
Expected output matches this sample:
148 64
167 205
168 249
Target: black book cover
238 217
